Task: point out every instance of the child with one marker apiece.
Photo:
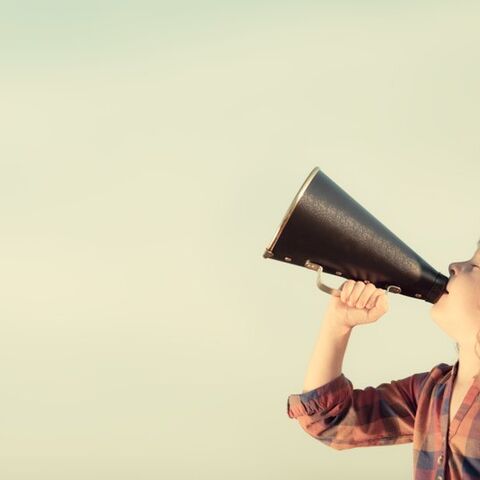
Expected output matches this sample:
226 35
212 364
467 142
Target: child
438 410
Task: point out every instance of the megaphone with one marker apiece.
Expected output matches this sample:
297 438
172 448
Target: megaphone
326 230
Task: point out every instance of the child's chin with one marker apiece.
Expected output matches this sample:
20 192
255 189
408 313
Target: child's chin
435 313
441 300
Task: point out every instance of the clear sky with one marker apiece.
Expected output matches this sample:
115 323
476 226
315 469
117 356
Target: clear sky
148 152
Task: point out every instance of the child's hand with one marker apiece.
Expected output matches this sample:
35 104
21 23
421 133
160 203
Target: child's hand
358 303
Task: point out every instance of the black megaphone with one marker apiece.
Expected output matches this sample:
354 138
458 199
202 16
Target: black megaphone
324 229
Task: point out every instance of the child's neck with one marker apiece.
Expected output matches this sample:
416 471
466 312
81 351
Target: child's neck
468 366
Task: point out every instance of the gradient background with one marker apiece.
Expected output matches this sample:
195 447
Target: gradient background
148 153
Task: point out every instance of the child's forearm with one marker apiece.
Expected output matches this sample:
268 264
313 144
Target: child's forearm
327 358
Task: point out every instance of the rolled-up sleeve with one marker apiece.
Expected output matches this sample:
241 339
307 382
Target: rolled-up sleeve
343 417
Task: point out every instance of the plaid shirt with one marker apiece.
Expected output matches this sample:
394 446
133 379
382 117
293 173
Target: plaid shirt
414 409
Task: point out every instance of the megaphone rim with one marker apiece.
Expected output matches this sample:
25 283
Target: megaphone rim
290 210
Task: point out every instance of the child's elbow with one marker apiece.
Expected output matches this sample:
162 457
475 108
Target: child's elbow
325 432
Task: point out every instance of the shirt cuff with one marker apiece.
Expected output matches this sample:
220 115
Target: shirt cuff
319 399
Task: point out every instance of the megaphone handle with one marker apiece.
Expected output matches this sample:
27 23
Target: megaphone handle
332 291
335 291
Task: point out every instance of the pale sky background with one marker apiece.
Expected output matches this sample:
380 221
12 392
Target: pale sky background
148 153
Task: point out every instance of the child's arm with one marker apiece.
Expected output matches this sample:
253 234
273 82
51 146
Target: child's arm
327 358
343 417
329 408
357 304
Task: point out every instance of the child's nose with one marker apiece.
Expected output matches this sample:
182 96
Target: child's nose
455 267
452 269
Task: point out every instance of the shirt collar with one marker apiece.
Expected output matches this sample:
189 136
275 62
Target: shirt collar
454 371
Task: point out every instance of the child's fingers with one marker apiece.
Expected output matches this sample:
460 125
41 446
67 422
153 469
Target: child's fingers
355 293
366 293
378 298
360 294
371 302
373 299
347 287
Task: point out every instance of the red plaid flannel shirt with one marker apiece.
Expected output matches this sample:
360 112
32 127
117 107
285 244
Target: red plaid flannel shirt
414 409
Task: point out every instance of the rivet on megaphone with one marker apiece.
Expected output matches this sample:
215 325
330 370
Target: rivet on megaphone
394 289
418 295
311 265
338 273
288 259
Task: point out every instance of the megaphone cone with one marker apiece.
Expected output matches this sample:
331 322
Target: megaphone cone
326 230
